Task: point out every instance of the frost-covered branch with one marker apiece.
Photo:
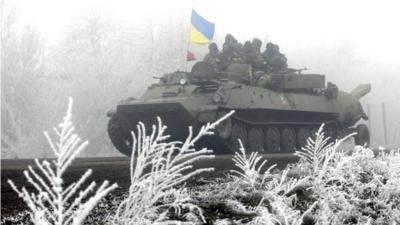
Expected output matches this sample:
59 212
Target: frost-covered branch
51 205
157 167
250 168
319 152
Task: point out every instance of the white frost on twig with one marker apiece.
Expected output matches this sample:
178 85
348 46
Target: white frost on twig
53 203
157 168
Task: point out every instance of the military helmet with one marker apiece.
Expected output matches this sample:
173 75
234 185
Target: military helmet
247 44
276 47
269 46
229 39
256 43
213 47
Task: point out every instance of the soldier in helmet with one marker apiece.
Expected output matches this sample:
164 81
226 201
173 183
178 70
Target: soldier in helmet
212 56
281 60
234 45
230 40
256 45
257 61
227 56
268 56
275 61
247 53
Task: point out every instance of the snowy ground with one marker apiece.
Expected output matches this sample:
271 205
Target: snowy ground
112 169
225 200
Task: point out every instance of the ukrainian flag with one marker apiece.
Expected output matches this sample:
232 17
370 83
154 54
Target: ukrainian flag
201 30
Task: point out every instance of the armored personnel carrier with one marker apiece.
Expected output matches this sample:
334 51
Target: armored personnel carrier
273 112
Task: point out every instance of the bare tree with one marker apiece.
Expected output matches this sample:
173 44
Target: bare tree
88 62
22 66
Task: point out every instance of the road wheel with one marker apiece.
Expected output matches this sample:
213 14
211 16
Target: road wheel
330 132
272 140
122 143
256 139
288 139
224 129
302 135
238 132
362 137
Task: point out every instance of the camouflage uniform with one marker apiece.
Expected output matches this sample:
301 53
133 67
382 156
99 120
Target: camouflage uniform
275 61
212 57
233 44
227 56
257 61
230 40
246 54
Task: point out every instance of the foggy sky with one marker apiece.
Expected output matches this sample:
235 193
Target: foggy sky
364 31
369 25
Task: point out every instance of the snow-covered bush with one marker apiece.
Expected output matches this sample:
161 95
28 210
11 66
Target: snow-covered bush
329 185
157 168
55 204
319 154
350 187
265 197
249 169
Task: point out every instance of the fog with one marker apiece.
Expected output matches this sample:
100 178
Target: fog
100 52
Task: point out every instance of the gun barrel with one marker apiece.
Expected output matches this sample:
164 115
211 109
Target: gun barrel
361 90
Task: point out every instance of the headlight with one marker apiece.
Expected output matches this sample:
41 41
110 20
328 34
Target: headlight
217 98
182 81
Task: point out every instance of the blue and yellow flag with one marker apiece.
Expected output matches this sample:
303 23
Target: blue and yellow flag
201 30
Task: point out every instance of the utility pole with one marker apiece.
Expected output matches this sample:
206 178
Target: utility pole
369 120
384 123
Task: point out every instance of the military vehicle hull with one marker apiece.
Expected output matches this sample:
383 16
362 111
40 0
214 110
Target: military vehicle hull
264 119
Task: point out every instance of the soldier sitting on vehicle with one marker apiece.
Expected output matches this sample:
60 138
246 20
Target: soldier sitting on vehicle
212 56
257 61
251 54
226 57
247 53
234 45
275 61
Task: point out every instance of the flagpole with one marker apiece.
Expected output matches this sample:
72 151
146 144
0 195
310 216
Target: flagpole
187 51
188 44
